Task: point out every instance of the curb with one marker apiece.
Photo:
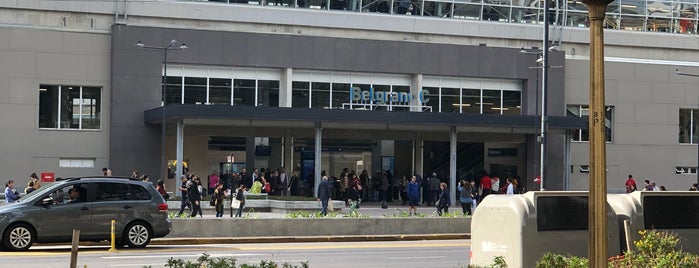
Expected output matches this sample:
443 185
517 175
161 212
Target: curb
302 239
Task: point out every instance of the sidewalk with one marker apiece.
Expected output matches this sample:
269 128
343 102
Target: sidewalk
372 209
304 239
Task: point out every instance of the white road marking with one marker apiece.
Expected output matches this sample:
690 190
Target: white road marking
408 258
177 256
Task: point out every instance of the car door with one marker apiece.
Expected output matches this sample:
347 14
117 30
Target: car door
63 214
112 202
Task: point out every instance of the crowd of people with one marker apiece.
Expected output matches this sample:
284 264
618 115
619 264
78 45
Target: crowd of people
649 185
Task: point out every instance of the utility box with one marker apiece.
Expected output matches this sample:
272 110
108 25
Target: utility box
673 211
521 228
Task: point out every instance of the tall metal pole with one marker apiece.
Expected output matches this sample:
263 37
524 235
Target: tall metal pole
597 223
544 84
164 49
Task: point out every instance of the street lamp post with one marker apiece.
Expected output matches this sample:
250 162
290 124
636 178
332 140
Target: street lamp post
164 49
677 71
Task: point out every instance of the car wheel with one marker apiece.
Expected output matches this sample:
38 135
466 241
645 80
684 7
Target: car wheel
18 237
137 235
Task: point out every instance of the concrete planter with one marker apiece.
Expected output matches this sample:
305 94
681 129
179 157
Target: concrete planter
241 227
274 206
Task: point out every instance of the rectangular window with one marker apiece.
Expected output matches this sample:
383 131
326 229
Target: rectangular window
195 90
584 111
511 102
401 96
244 92
688 131
300 94
220 91
320 95
340 94
76 163
268 93
492 101
471 101
69 107
450 100
173 89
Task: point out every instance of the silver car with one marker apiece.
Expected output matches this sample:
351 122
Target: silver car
89 204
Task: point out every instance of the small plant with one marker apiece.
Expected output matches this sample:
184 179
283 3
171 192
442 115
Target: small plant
205 261
355 214
498 262
173 215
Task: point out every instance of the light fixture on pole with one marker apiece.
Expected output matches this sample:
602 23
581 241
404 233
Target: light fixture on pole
171 46
677 71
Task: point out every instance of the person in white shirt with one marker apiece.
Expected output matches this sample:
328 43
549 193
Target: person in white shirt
510 187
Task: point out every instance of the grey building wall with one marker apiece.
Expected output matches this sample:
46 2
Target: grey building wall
646 98
28 58
137 72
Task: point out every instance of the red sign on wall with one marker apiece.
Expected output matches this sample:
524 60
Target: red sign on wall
47 177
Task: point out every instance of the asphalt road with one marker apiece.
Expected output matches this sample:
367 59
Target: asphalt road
404 254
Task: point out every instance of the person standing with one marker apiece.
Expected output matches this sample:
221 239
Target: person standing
11 194
218 195
240 196
485 186
630 184
413 195
465 198
194 198
283 182
434 184
444 200
324 193
184 203
509 188
160 187
354 188
213 179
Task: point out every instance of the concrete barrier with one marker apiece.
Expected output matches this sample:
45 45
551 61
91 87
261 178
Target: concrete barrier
242 227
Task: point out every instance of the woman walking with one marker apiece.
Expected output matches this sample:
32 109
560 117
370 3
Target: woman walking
466 197
444 200
219 195
240 196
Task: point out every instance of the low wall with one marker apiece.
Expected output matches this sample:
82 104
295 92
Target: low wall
263 205
241 227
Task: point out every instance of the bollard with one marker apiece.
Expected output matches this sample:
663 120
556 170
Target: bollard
113 247
74 249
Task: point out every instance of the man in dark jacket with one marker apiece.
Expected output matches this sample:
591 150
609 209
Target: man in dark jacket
325 191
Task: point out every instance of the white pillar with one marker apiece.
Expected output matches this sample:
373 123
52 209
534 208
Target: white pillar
415 89
452 164
180 149
285 87
317 161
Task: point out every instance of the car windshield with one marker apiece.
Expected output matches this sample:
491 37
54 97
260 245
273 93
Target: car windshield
44 188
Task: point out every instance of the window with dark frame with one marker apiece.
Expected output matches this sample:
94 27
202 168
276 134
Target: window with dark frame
69 107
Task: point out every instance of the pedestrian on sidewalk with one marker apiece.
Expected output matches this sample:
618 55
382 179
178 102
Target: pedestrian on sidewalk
466 198
413 195
325 191
184 203
444 200
218 196
240 196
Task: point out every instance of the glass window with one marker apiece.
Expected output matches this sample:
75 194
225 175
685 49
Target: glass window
91 107
69 107
432 93
268 93
492 102
300 94
471 101
48 106
139 193
400 96
195 90
685 131
220 91
244 92
340 95
467 11
74 193
107 191
320 95
512 102
450 100
174 89
380 99
584 111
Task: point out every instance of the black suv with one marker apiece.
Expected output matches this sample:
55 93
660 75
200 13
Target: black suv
89 204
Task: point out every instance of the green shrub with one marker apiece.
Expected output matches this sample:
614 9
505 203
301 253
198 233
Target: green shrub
655 249
205 261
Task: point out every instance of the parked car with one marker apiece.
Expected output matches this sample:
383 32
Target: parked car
89 204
